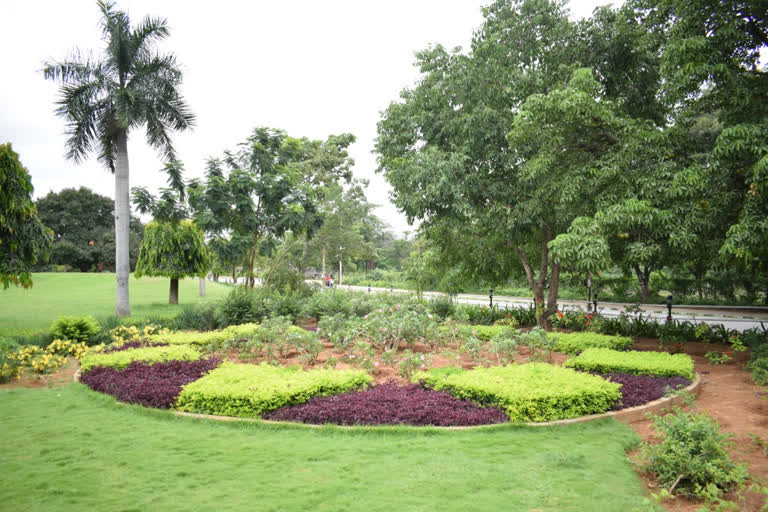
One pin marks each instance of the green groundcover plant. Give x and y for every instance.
(145, 355)
(604, 360)
(248, 391)
(577, 342)
(533, 392)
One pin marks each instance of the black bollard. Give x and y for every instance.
(595, 302)
(669, 308)
(490, 296)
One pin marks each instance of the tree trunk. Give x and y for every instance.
(173, 297)
(202, 287)
(323, 261)
(554, 288)
(643, 278)
(122, 221)
(234, 275)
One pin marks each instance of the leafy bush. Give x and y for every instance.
(604, 360)
(486, 332)
(75, 328)
(306, 343)
(482, 315)
(641, 389)
(442, 307)
(692, 456)
(539, 344)
(534, 391)
(759, 371)
(199, 317)
(146, 355)
(287, 304)
(151, 385)
(242, 332)
(131, 345)
(10, 363)
(339, 329)
(576, 342)
(245, 390)
(244, 305)
(389, 404)
(329, 303)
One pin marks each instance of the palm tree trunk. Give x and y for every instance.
(122, 219)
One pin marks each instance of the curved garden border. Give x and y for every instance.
(628, 415)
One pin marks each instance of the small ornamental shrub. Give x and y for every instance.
(75, 328)
(692, 457)
(641, 389)
(248, 391)
(442, 307)
(244, 305)
(486, 332)
(10, 362)
(145, 354)
(759, 369)
(715, 357)
(67, 348)
(389, 404)
(533, 392)
(124, 333)
(151, 385)
(577, 342)
(603, 360)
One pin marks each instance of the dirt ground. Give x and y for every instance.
(727, 394)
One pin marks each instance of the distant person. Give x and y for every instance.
(326, 281)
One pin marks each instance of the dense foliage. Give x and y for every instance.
(390, 404)
(24, 240)
(75, 328)
(692, 456)
(149, 384)
(83, 225)
(604, 360)
(249, 391)
(533, 392)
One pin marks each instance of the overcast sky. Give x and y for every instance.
(311, 68)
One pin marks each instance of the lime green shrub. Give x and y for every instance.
(486, 332)
(248, 391)
(661, 364)
(534, 391)
(239, 332)
(146, 355)
(576, 342)
(75, 328)
(430, 378)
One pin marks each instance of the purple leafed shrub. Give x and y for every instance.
(390, 404)
(641, 389)
(155, 385)
(134, 344)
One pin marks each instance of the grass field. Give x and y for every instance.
(73, 449)
(54, 294)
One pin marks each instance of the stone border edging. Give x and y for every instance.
(629, 415)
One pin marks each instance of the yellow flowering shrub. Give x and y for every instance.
(124, 334)
(47, 363)
(67, 348)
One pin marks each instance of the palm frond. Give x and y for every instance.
(144, 201)
(175, 170)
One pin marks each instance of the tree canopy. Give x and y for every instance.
(24, 240)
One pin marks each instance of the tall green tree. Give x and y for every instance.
(131, 85)
(270, 187)
(83, 225)
(24, 240)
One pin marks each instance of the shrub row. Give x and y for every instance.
(244, 390)
(533, 392)
(151, 385)
(390, 404)
(146, 354)
(576, 342)
(662, 364)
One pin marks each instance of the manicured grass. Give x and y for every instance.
(56, 294)
(73, 449)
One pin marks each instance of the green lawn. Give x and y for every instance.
(73, 449)
(55, 294)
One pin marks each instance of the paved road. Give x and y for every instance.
(738, 318)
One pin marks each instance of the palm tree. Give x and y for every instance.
(102, 100)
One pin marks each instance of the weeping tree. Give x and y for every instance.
(173, 246)
(175, 250)
(131, 85)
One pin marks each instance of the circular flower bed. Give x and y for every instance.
(390, 404)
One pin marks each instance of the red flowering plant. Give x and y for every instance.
(571, 320)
